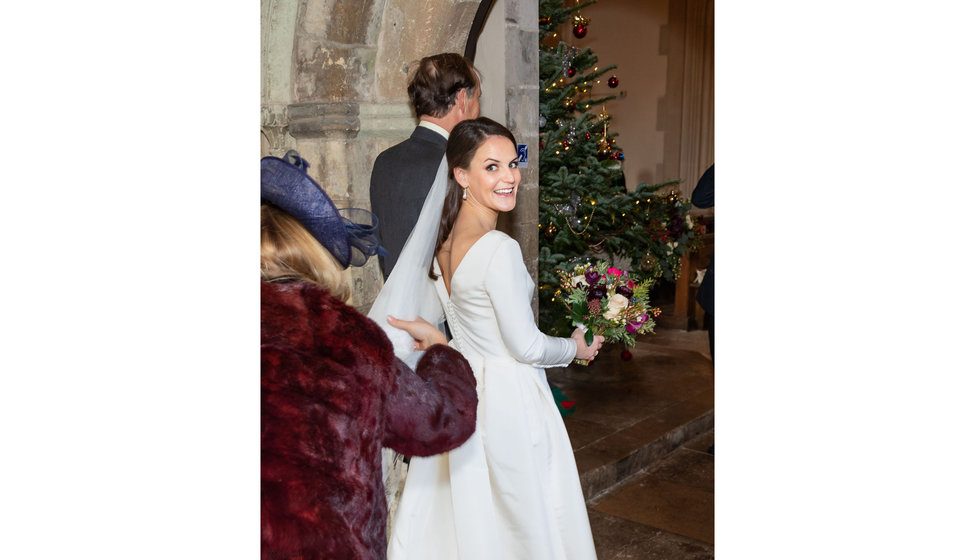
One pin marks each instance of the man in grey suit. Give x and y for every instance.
(444, 90)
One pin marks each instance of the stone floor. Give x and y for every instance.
(643, 434)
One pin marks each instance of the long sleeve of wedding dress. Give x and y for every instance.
(512, 491)
(506, 283)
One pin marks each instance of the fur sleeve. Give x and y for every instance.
(435, 410)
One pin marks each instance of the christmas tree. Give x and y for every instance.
(585, 210)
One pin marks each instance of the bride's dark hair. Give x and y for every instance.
(464, 140)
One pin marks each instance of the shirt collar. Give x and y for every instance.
(434, 127)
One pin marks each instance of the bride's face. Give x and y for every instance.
(492, 175)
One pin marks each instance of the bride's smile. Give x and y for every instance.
(493, 176)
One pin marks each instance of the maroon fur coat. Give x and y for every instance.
(333, 394)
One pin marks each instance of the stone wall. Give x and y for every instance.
(521, 58)
(334, 74)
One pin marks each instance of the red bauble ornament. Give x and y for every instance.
(626, 355)
(580, 31)
(571, 71)
(613, 82)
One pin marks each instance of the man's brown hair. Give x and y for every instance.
(437, 80)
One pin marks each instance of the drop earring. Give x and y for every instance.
(464, 192)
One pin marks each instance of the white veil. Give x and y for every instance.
(409, 293)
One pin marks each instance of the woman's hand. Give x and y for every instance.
(584, 351)
(422, 331)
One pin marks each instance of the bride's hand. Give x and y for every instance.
(422, 331)
(584, 351)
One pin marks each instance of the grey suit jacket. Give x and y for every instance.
(400, 182)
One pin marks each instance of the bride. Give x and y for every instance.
(512, 490)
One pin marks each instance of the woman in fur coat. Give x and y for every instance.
(333, 393)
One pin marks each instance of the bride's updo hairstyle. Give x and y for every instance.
(464, 140)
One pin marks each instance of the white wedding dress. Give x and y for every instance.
(512, 491)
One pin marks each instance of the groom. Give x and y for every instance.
(444, 90)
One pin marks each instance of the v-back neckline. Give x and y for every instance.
(452, 277)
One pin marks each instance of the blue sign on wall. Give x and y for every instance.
(522, 155)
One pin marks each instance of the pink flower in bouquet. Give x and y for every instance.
(635, 325)
(614, 271)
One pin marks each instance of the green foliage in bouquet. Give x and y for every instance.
(603, 300)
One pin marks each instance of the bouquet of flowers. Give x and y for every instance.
(603, 300)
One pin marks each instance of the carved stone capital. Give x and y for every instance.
(334, 121)
(275, 128)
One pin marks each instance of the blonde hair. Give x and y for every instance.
(290, 252)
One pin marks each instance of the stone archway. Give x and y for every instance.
(333, 87)
(334, 77)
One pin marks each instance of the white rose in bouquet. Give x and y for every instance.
(617, 303)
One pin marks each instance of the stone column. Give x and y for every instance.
(277, 36)
(332, 76)
(521, 55)
(342, 140)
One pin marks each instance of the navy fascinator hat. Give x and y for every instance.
(349, 234)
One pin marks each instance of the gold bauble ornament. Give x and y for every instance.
(647, 262)
(651, 265)
(604, 149)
